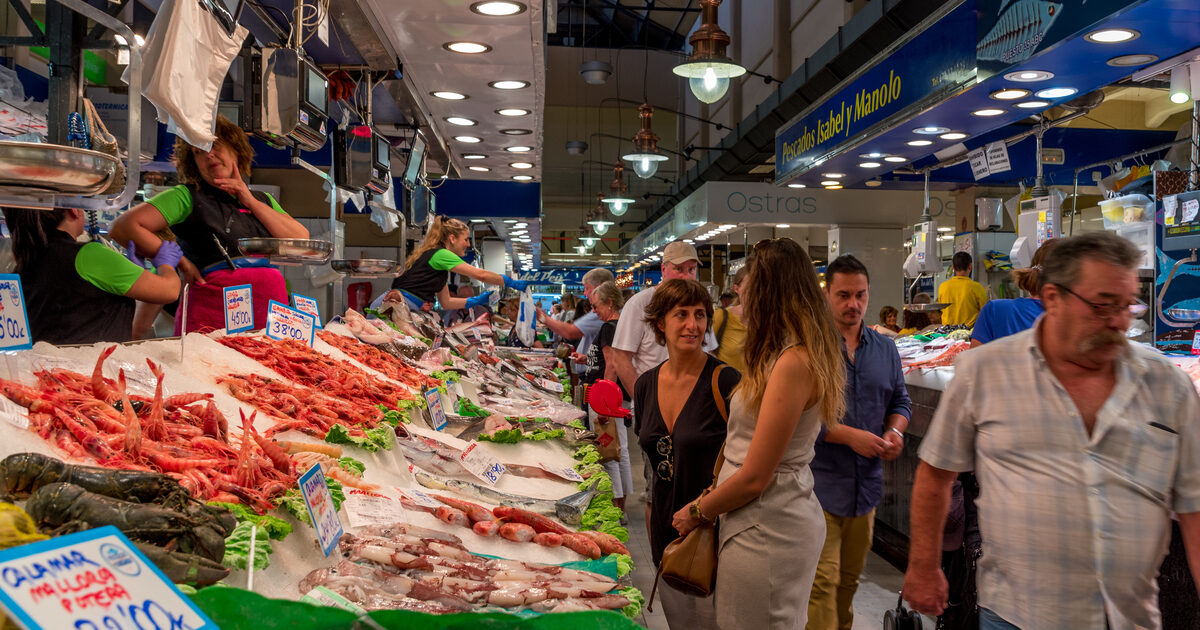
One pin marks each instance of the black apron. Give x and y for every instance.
(215, 211)
(64, 308)
(422, 280)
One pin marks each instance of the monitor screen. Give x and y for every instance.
(383, 153)
(316, 94)
(422, 205)
(416, 157)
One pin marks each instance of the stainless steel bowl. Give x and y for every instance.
(296, 251)
(55, 168)
(365, 267)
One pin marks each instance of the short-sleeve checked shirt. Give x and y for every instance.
(1074, 526)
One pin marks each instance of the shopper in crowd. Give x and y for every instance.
(848, 459)
(916, 321)
(583, 326)
(569, 304)
(212, 210)
(626, 294)
(1001, 318)
(888, 321)
(682, 427)
(1083, 445)
(465, 314)
(730, 331)
(82, 293)
(727, 299)
(963, 296)
(772, 529)
(608, 303)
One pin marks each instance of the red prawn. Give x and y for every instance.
(133, 425)
(101, 387)
(156, 427)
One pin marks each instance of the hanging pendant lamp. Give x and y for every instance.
(617, 199)
(709, 69)
(645, 156)
(597, 219)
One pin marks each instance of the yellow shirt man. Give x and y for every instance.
(965, 297)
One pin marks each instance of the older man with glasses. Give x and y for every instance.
(1083, 445)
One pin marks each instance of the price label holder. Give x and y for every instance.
(91, 580)
(565, 472)
(305, 304)
(239, 308)
(437, 415)
(288, 323)
(480, 463)
(14, 321)
(320, 508)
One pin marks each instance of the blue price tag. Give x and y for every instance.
(239, 308)
(434, 400)
(305, 304)
(288, 323)
(320, 508)
(91, 580)
(14, 322)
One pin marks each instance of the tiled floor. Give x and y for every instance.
(876, 592)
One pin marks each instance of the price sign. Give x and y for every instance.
(239, 308)
(320, 508)
(434, 400)
(305, 304)
(566, 472)
(1196, 342)
(418, 497)
(551, 385)
(370, 508)
(481, 464)
(92, 580)
(14, 322)
(289, 323)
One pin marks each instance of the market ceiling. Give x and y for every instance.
(1000, 105)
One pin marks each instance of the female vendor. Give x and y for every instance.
(82, 292)
(214, 206)
(428, 269)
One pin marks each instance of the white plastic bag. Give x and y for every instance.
(527, 320)
(186, 57)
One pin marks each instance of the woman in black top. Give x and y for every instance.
(680, 427)
(607, 302)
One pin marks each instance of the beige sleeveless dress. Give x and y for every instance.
(768, 548)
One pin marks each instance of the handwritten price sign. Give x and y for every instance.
(478, 462)
(305, 304)
(288, 323)
(14, 322)
(239, 308)
(92, 580)
(434, 400)
(320, 508)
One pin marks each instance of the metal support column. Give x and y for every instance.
(65, 33)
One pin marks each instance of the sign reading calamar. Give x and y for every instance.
(938, 61)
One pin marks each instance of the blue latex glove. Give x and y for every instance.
(131, 254)
(168, 254)
(514, 284)
(482, 298)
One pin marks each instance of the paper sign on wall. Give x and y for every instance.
(305, 304)
(239, 308)
(14, 322)
(320, 508)
(433, 400)
(92, 579)
(288, 323)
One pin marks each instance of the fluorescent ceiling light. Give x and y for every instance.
(448, 95)
(518, 149)
(1057, 92)
(467, 48)
(990, 111)
(521, 165)
(473, 156)
(895, 159)
(468, 139)
(509, 85)
(783, 226)
(479, 169)
(1029, 76)
(1009, 94)
(460, 121)
(830, 182)
(795, 185)
(522, 178)
(513, 111)
(497, 8)
(1033, 104)
(930, 130)
(1112, 36)
(919, 143)
(869, 165)
(954, 135)
(833, 175)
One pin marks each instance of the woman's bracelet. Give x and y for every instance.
(697, 514)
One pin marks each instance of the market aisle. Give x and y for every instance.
(876, 592)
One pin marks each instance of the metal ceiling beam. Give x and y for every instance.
(368, 36)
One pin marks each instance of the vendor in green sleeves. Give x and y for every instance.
(82, 293)
(428, 268)
(214, 205)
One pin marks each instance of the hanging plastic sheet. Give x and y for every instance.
(527, 320)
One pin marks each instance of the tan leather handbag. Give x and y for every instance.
(689, 563)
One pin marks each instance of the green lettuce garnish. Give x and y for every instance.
(468, 408)
(293, 501)
(276, 528)
(576, 423)
(502, 436)
(380, 437)
(352, 465)
(446, 376)
(238, 552)
(636, 600)
(624, 564)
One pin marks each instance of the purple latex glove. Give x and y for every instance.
(131, 254)
(168, 254)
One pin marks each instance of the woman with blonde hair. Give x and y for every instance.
(772, 528)
(428, 268)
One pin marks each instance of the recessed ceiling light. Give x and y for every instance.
(448, 95)
(466, 48)
(930, 130)
(1112, 36)
(513, 111)
(510, 221)
(834, 187)
(520, 225)
(874, 182)
(833, 175)
(467, 139)
(795, 185)
(521, 165)
(1132, 60)
(829, 182)
(509, 85)
(919, 143)
(478, 220)
(954, 135)
(516, 132)
(497, 8)
(473, 156)
(460, 121)
(874, 155)
(1029, 76)
(1058, 92)
(894, 159)
(869, 165)
(479, 169)
(990, 111)
(518, 149)
(783, 226)
(1033, 104)
(1009, 94)
(522, 178)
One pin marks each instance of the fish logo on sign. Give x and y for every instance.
(120, 560)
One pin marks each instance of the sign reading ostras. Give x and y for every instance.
(836, 121)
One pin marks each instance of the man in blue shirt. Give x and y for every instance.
(847, 464)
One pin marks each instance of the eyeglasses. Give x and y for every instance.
(1137, 308)
(666, 468)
